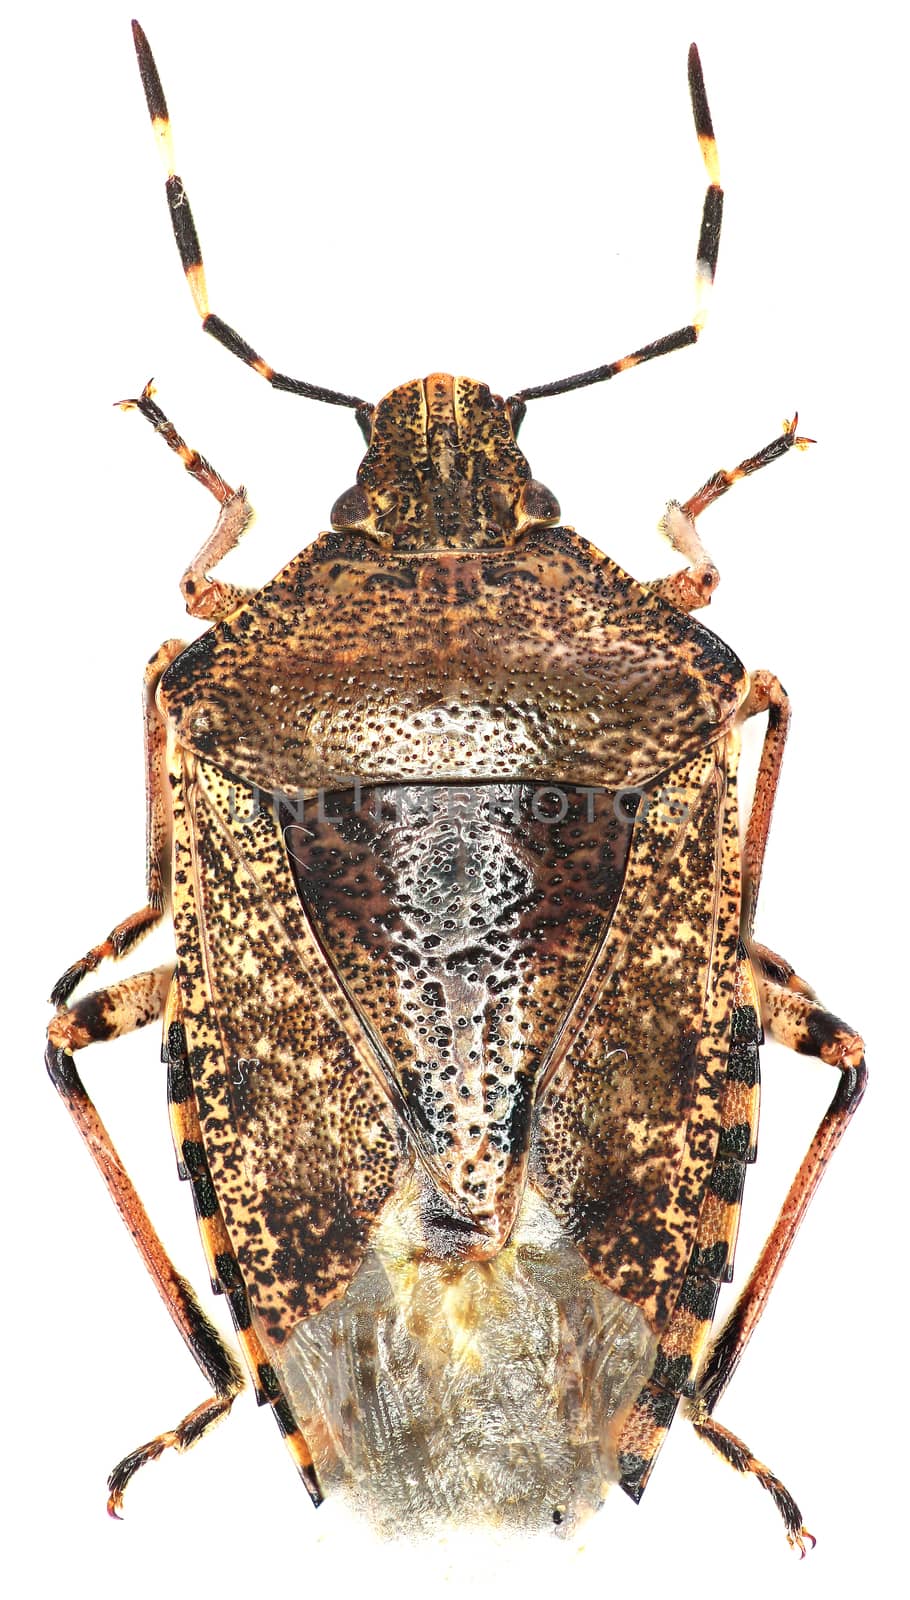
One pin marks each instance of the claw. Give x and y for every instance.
(797, 1541)
(801, 442)
(131, 405)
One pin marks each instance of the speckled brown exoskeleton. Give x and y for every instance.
(462, 1031)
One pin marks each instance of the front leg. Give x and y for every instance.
(695, 584)
(205, 596)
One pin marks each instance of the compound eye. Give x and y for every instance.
(537, 503)
(351, 509)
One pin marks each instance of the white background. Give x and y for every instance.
(512, 192)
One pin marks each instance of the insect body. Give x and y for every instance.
(462, 1032)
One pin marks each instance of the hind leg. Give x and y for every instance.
(106, 1015)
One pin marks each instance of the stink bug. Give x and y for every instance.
(477, 819)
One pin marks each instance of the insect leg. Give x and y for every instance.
(720, 482)
(191, 255)
(766, 693)
(694, 586)
(224, 1269)
(727, 1349)
(205, 597)
(738, 1455)
(133, 928)
(795, 1017)
(105, 1015)
(110, 1012)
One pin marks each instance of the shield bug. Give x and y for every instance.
(461, 1038)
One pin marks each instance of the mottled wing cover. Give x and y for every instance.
(300, 1137)
(629, 1122)
(540, 665)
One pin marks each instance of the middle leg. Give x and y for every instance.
(128, 933)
